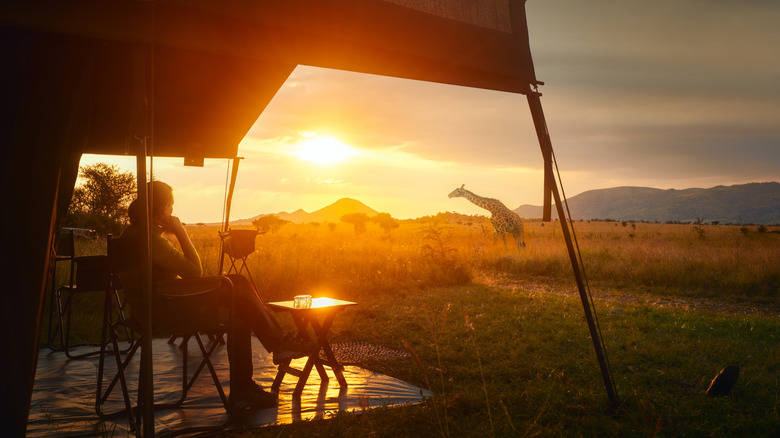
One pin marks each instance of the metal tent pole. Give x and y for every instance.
(226, 218)
(145, 389)
(535, 105)
(143, 129)
(233, 176)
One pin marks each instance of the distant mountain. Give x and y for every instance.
(754, 203)
(331, 213)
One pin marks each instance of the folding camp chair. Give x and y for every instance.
(65, 253)
(237, 245)
(87, 274)
(187, 306)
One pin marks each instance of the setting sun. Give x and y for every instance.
(324, 150)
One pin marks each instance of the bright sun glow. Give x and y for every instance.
(323, 150)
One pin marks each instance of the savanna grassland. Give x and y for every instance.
(498, 335)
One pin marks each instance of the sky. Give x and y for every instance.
(664, 94)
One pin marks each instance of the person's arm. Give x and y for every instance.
(186, 263)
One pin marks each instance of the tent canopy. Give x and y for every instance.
(218, 64)
(89, 76)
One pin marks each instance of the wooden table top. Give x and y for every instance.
(316, 303)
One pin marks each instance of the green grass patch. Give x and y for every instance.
(528, 368)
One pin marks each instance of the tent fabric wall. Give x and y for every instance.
(204, 103)
(493, 14)
(45, 106)
(368, 36)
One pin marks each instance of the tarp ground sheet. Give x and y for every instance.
(64, 394)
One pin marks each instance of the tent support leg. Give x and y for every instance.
(535, 105)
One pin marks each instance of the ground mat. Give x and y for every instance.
(63, 400)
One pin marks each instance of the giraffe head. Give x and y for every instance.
(460, 191)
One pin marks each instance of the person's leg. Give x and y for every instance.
(239, 341)
(250, 307)
(263, 323)
(244, 391)
(239, 344)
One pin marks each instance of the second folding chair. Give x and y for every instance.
(88, 276)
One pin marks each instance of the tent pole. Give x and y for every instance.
(535, 105)
(228, 203)
(146, 391)
(143, 126)
(232, 187)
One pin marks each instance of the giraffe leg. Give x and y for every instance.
(503, 236)
(519, 241)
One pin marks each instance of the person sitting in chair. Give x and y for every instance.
(250, 313)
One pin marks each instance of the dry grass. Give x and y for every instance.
(710, 260)
(721, 263)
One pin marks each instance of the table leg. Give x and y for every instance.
(303, 378)
(302, 321)
(283, 368)
(322, 340)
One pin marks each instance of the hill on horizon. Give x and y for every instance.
(330, 213)
(752, 203)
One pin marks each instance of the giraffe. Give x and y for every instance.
(503, 219)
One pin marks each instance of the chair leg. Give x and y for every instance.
(121, 317)
(207, 360)
(62, 311)
(53, 315)
(133, 413)
(66, 328)
(102, 397)
(102, 357)
(107, 317)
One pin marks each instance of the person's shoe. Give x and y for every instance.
(291, 348)
(251, 397)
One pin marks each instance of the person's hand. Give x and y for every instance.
(173, 225)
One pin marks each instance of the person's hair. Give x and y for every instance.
(161, 195)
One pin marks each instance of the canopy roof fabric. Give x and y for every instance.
(218, 64)
(89, 76)
(486, 13)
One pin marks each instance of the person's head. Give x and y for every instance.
(161, 195)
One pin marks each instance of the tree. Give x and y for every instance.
(357, 219)
(269, 222)
(101, 198)
(385, 221)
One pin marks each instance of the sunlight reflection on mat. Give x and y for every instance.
(63, 397)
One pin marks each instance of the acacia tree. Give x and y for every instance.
(358, 220)
(270, 222)
(101, 198)
(385, 221)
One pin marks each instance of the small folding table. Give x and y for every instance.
(322, 309)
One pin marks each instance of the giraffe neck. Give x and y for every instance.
(486, 203)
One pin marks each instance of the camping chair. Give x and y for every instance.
(187, 306)
(87, 274)
(237, 245)
(65, 252)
